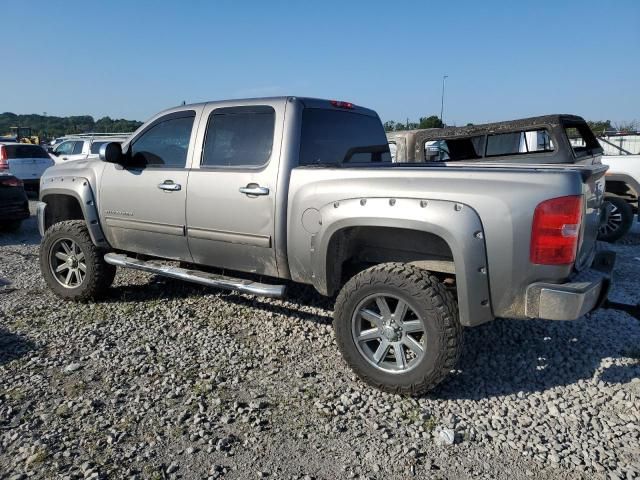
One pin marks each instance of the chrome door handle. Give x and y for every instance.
(169, 186)
(254, 189)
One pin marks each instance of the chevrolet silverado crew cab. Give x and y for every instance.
(251, 194)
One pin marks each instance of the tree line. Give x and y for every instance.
(49, 126)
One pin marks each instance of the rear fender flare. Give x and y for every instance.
(457, 224)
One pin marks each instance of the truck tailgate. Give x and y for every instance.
(29, 168)
(593, 190)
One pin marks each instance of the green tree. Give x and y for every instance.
(599, 127)
(430, 122)
(51, 126)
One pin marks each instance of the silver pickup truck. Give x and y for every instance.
(251, 194)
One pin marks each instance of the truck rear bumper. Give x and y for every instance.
(583, 293)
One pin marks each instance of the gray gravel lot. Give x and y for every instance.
(169, 380)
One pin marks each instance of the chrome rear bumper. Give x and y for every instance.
(583, 293)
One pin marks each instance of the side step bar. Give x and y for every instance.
(196, 276)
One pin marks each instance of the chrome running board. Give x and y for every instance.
(196, 276)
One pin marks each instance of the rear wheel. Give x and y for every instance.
(73, 267)
(619, 220)
(397, 328)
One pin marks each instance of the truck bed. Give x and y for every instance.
(502, 197)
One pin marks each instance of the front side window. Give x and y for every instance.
(338, 136)
(65, 148)
(239, 137)
(436, 151)
(393, 150)
(164, 144)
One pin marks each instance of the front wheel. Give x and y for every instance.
(73, 267)
(619, 220)
(398, 329)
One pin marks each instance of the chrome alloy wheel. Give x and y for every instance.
(388, 333)
(614, 219)
(67, 263)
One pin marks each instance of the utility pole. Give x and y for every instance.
(444, 77)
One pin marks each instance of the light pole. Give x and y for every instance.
(444, 77)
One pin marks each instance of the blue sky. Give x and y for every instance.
(505, 59)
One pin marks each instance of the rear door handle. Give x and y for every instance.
(254, 189)
(169, 186)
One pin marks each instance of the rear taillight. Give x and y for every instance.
(556, 230)
(339, 104)
(4, 161)
(11, 182)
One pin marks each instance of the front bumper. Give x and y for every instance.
(583, 293)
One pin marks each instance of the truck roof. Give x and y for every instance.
(306, 101)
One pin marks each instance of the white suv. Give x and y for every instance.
(24, 161)
(82, 147)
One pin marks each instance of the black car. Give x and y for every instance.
(14, 204)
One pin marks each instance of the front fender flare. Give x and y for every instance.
(80, 189)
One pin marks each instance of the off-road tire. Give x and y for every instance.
(99, 275)
(12, 226)
(430, 299)
(624, 226)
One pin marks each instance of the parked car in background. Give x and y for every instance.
(83, 147)
(25, 161)
(623, 191)
(14, 205)
(253, 194)
(537, 140)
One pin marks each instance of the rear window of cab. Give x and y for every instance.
(332, 137)
(25, 151)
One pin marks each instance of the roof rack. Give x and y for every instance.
(114, 134)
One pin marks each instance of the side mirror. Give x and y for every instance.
(111, 152)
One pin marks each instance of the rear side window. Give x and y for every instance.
(25, 151)
(512, 143)
(165, 143)
(77, 148)
(582, 139)
(239, 137)
(338, 136)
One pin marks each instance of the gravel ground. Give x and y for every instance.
(169, 380)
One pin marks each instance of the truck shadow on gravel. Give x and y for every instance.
(13, 346)
(504, 357)
(509, 357)
(26, 235)
(300, 301)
